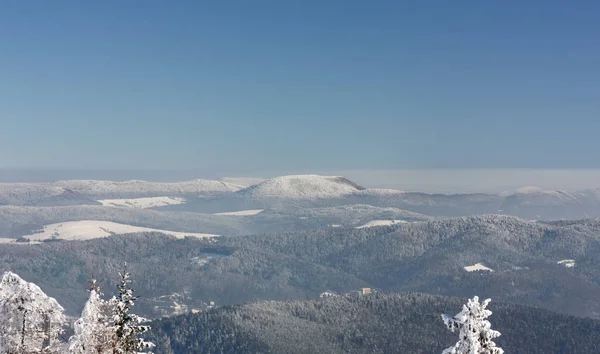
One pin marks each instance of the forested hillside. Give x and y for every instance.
(526, 259)
(381, 323)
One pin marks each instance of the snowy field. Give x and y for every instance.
(381, 223)
(477, 267)
(142, 203)
(90, 229)
(242, 212)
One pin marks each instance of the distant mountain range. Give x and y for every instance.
(324, 191)
(306, 191)
(298, 202)
(72, 191)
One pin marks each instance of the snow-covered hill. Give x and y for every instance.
(90, 229)
(301, 187)
(537, 196)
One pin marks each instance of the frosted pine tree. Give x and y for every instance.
(94, 331)
(128, 326)
(475, 333)
(30, 321)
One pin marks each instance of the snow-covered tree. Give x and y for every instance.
(30, 321)
(94, 331)
(475, 333)
(128, 326)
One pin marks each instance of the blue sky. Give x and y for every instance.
(249, 86)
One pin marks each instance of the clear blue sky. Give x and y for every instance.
(305, 85)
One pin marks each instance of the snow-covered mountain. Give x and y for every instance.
(309, 187)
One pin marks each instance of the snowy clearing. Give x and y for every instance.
(142, 203)
(242, 212)
(569, 263)
(381, 223)
(477, 267)
(90, 229)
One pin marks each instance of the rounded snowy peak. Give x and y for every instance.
(302, 187)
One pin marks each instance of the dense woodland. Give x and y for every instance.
(380, 323)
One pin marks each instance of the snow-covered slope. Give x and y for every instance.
(89, 229)
(535, 203)
(145, 188)
(244, 182)
(301, 187)
(142, 203)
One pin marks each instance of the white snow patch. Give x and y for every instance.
(90, 229)
(328, 293)
(12, 241)
(568, 263)
(142, 203)
(242, 212)
(381, 223)
(477, 267)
